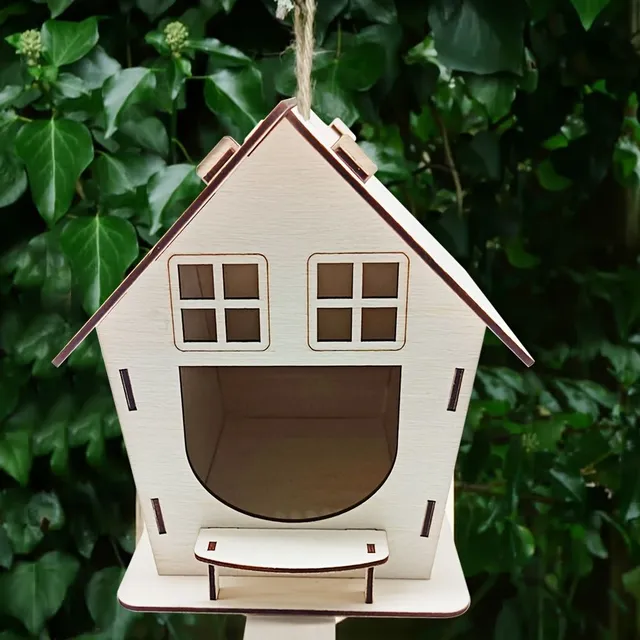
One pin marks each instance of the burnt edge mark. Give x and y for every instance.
(213, 594)
(358, 185)
(368, 596)
(352, 164)
(455, 390)
(428, 518)
(212, 545)
(371, 548)
(128, 390)
(157, 510)
(226, 156)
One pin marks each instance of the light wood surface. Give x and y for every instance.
(299, 551)
(291, 220)
(283, 628)
(444, 595)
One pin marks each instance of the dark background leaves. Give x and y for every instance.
(508, 128)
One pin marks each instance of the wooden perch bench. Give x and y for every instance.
(290, 551)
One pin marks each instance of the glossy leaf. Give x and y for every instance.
(154, 8)
(99, 249)
(125, 89)
(58, 6)
(15, 455)
(103, 605)
(148, 133)
(221, 55)
(235, 96)
(33, 591)
(95, 68)
(588, 10)
(480, 36)
(13, 179)
(378, 10)
(170, 191)
(118, 174)
(55, 153)
(66, 42)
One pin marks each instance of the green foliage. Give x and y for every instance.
(508, 127)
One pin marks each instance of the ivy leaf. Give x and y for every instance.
(8, 94)
(331, 101)
(169, 192)
(550, 179)
(235, 96)
(66, 42)
(34, 591)
(589, 10)
(508, 626)
(220, 55)
(360, 66)
(26, 518)
(573, 486)
(103, 605)
(154, 8)
(13, 179)
(58, 6)
(494, 92)
(40, 342)
(50, 437)
(6, 552)
(100, 249)
(149, 133)
(16, 455)
(124, 89)
(122, 173)
(68, 86)
(95, 68)
(481, 36)
(55, 152)
(378, 10)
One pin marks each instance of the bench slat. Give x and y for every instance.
(292, 550)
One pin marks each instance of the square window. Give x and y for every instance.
(240, 281)
(335, 280)
(379, 325)
(243, 325)
(196, 281)
(199, 325)
(334, 325)
(380, 280)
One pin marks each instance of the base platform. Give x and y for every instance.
(445, 595)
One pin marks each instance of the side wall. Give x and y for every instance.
(285, 202)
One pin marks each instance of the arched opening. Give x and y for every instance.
(291, 443)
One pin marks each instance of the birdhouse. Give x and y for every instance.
(291, 365)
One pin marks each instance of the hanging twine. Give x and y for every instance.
(303, 15)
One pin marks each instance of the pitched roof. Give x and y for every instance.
(373, 191)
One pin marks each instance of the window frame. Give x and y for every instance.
(219, 303)
(357, 302)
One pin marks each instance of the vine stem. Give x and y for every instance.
(496, 491)
(448, 155)
(174, 131)
(185, 153)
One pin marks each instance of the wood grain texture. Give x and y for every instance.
(299, 551)
(445, 595)
(288, 628)
(318, 213)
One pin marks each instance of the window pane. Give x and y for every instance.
(199, 325)
(335, 280)
(334, 325)
(380, 280)
(196, 281)
(379, 324)
(243, 325)
(240, 281)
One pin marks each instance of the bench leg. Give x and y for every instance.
(368, 591)
(214, 591)
(289, 628)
